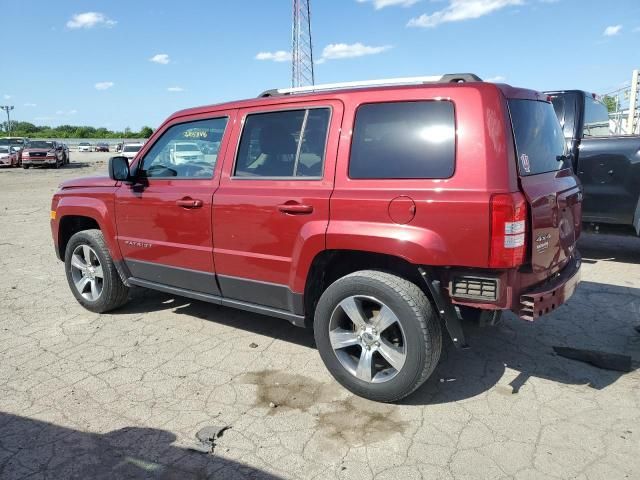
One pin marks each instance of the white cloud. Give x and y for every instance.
(278, 56)
(335, 51)
(459, 10)
(90, 20)
(104, 85)
(496, 79)
(66, 112)
(7, 97)
(30, 105)
(175, 89)
(612, 30)
(378, 4)
(161, 58)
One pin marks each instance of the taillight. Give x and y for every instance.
(508, 230)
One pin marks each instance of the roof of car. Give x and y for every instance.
(507, 90)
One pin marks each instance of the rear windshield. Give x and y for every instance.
(540, 144)
(596, 118)
(186, 147)
(132, 148)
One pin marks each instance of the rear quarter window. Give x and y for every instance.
(403, 140)
(540, 143)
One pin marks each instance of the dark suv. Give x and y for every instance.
(376, 215)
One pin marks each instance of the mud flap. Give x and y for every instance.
(445, 308)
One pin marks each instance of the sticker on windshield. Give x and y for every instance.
(524, 161)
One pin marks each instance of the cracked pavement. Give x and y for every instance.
(123, 395)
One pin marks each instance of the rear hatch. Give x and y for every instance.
(552, 191)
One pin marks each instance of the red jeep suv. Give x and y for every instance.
(380, 214)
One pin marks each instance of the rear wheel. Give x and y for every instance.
(91, 273)
(377, 334)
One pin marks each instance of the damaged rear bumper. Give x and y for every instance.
(546, 297)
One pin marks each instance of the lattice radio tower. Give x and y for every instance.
(302, 49)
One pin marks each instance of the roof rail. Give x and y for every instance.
(447, 78)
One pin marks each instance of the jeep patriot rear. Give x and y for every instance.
(376, 215)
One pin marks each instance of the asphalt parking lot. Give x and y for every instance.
(84, 395)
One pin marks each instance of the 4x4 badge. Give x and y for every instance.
(524, 160)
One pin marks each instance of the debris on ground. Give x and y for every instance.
(605, 360)
(272, 405)
(207, 437)
(253, 345)
(448, 379)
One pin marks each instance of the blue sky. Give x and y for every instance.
(118, 63)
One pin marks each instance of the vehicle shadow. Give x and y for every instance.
(144, 300)
(612, 245)
(31, 447)
(73, 164)
(598, 317)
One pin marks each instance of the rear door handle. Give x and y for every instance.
(295, 208)
(189, 203)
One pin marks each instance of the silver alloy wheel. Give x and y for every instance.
(86, 272)
(367, 338)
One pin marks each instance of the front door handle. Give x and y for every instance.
(189, 203)
(295, 208)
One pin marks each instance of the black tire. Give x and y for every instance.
(419, 322)
(114, 293)
(26, 167)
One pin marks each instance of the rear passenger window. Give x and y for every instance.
(403, 140)
(283, 144)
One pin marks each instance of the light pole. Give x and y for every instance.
(8, 108)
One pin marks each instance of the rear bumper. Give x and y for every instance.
(549, 295)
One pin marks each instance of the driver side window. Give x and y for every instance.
(186, 150)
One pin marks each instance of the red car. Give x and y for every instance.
(368, 213)
(102, 147)
(45, 153)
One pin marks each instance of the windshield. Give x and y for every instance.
(540, 143)
(14, 142)
(186, 147)
(4, 149)
(132, 148)
(83, 144)
(41, 144)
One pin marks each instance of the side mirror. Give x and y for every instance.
(119, 168)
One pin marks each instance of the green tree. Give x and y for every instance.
(146, 132)
(610, 102)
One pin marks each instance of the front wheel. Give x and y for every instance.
(377, 334)
(91, 273)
